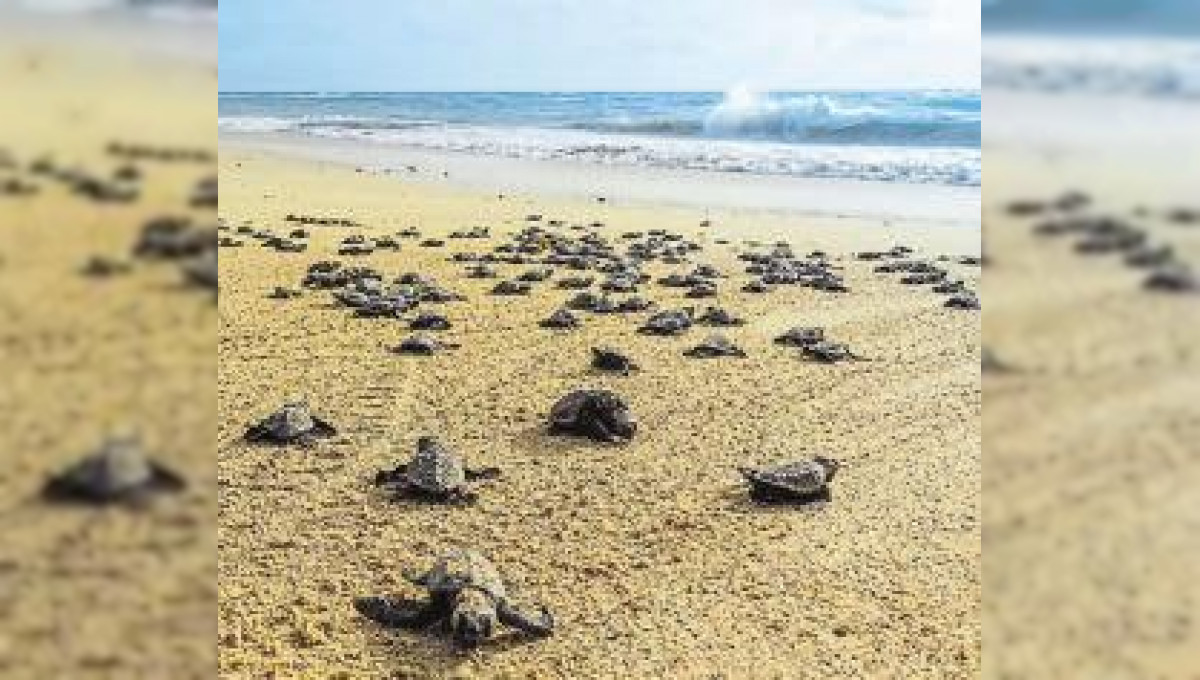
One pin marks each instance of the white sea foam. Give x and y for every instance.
(954, 166)
(1146, 67)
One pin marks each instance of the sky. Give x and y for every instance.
(547, 45)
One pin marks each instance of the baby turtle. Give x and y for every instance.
(672, 322)
(117, 473)
(801, 336)
(965, 300)
(608, 359)
(512, 288)
(829, 352)
(801, 482)
(467, 596)
(430, 322)
(293, 423)
(1172, 280)
(562, 319)
(435, 474)
(715, 346)
(597, 414)
(422, 345)
(716, 316)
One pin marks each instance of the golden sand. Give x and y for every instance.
(1091, 519)
(650, 556)
(102, 593)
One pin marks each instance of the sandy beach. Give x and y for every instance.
(112, 592)
(650, 555)
(1090, 440)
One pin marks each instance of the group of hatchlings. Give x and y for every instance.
(465, 593)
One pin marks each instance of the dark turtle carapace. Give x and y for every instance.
(613, 361)
(118, 472)
(434, 474)
(599, 415)
(801, 482)
(292, 423)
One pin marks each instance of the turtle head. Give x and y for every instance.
(473, 619)
(426, 443)
(616, 418)
(831, 466)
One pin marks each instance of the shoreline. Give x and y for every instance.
(951, 206)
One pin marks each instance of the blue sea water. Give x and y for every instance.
(922, 137)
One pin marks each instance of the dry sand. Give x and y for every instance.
(109, 593)
(650, 555)
(1091, 466)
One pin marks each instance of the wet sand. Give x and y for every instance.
(650, 555)
(1090, 449)
(102, 592)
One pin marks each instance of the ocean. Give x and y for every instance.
(1138, 49)
(909, 137)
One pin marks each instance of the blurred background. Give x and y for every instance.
(107, 339)
(1092, 233)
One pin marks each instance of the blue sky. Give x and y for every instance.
(597, 44)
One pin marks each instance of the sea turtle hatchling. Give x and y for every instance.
(801, 336)
(423, 345)
(435, 474)
(717, 316)
(600, 415)
(611, 360)
(118, 472)
(715, 346)
(801, 482)
(561, 319)
(670, 322)
(292, 423)
(430, 322)
(829, 352)
(466, 595)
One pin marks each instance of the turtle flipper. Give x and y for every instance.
(511, 616)
(162, 479)
(322, 428)
(416, 578)
(483, 473)
(595, 429)
(396, 612)
(256, 434)
(393, 476)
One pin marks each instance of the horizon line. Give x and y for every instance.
(947, 88)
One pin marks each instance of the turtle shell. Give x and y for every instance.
(802, 478)
(828, 352)
(419, 344)
(118, 470)
(292, 420)
(562, 318)
(608, 359)
(801, 336)
(667, 323)
(715, 346)
(567, 410)
(578, 412)
(435, 468)
(457, 569)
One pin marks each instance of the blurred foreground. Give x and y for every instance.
(103, 129)
(1092, 373)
